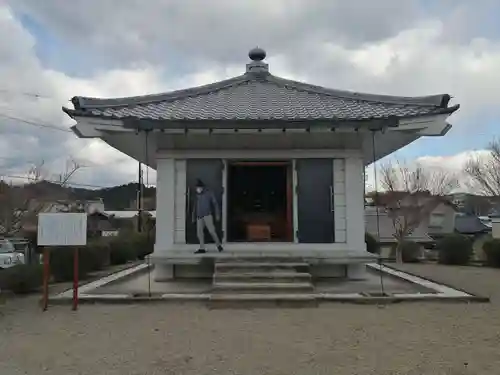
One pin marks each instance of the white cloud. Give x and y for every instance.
(142, 47)
(452, 164)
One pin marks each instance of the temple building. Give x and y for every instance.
(285, 161)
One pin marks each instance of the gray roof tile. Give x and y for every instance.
(257, 96)
(470, 225)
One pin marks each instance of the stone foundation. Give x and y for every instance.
(319, 271)
(198, 271)
(356, 271)
(167, 272)
(163, 272)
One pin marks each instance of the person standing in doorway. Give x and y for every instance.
(205, 206)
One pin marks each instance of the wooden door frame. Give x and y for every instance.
(253, 163)
(289, 164)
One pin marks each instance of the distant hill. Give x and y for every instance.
(115, 198)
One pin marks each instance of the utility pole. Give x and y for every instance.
(139, 199)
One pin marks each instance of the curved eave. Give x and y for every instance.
(70, 112)
(84, 113)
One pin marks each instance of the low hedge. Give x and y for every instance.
(61, 262)
(491, 250)
(455, 249)
(372, 245)
(122, 249)
(130, 245)
(22, 278)
(99, 254)
(143, 243)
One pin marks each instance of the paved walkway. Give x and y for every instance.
(413, 338)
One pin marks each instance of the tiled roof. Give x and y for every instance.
(259, 95)
(470, 225)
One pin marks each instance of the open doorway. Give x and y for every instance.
(259, 202)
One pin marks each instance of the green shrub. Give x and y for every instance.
(372, 245)
(22, 278)
(491, 249)
(143, 244)
(99, 254)
(61, 263)
(411, 251)
(122, 249)
(455, 249)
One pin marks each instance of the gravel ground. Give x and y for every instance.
(414, 338)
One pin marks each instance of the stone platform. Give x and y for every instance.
(180, 264)
(382, 285)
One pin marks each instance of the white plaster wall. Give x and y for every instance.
(495, 227)
(348, 195)
(180, 201)
(165, 205)
(339, 200)
(355, 219)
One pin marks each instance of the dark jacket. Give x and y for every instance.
(205, 204)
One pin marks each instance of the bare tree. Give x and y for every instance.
(20, 205)
(411, 193)
(484, 171)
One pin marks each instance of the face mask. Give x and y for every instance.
(199, 190)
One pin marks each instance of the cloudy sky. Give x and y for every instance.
(51, 50)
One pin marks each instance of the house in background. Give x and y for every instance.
(284, 157)
(441, 219)
(474, 228)
(128, 219)
(41, 205)
(376, 221)
(66, 205)
(472, 204)
(495, 225)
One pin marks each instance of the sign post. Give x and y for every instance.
(75, 279)
(46, 277)
(61, 229)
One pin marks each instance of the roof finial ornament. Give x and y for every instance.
(257, 54)
(257, 66)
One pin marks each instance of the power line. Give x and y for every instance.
(379, 259)
(53, 127)
(67, 183)
(27, 93)
(57, 182)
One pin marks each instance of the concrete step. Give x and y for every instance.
(285, 258)
(263, 287)
(231, 300)
(252, 277)
(221, 267)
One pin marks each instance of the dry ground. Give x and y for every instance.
(412, 338)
